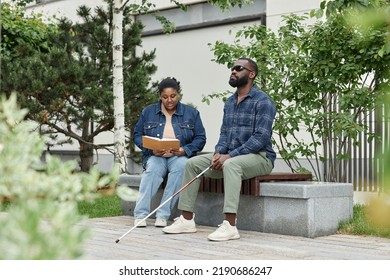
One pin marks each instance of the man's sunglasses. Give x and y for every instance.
(239, 68)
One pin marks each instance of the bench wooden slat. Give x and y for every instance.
(252, 186)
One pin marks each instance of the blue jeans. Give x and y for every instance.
(157, 169)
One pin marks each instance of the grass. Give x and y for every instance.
(105, 206)
(108, 205)
(363, 223)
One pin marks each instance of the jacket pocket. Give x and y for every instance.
(150, 128)
(187, 130)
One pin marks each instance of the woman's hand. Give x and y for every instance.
(178, 152)
(159, 153)
(169, 153)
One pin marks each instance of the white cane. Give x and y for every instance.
(176, 193)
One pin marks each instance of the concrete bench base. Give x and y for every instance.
(308, 209)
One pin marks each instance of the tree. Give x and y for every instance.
(305, 69)
(68, 89)
(19, 31)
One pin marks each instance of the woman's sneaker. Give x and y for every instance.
(143, 224)
(181, 225)
(224, 232)
(160, 222)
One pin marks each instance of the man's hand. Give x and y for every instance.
(218, 160)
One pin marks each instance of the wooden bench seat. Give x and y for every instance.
(252, 186)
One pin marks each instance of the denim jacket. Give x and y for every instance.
(186, 122)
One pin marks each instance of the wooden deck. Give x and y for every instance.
(151, 243)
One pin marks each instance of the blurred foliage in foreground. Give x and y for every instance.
(41, 211)
(371, 19)
(365, 222)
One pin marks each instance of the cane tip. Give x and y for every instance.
(116, 241)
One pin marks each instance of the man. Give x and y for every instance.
(244, 150)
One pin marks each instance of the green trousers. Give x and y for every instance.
(235, 169)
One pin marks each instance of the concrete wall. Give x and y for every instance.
(276, 9)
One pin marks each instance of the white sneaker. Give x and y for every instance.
(143, 224)
(181, 225)
(160, 222)
(224, 232)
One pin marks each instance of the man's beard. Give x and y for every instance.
(242, 81)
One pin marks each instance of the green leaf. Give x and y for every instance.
(126, 193)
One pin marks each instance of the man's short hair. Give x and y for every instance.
(252, 63)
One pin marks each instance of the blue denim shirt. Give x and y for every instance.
(247, 126)
(186, 122)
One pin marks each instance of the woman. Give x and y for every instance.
(168, 118)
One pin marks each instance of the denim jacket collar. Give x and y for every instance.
(179, 109)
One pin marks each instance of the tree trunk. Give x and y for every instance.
(86, 150)
(86, 157)
(119, 111)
